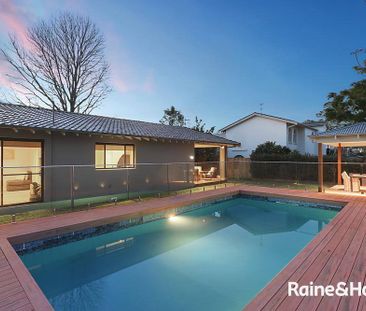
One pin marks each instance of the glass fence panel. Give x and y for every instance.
(148, 179)
(180, 176)
(92, 186)
(19, 188)
(57, 182)
(36, 195)
(56, 189)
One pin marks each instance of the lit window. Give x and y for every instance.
(21, 175)
(114, 156)
(99, 156)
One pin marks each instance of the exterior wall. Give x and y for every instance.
(253, 132)
(70, 149)
(304, 143)
(314, 145)
(300, 139)
(310, 146)
(259, 130)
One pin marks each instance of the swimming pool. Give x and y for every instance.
(217, 257)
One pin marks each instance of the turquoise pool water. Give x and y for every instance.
(214, 258)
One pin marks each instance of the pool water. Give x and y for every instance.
(214, 258)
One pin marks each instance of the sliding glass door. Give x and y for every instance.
(21, 173)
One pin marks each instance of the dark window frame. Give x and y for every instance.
(41, 172)
(105, 156)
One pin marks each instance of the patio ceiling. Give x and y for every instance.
(197, 145)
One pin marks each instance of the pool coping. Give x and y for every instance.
(50, 226)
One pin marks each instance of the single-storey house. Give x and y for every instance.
(258, 128)
(51, 155)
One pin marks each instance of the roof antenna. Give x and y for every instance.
(261, 107)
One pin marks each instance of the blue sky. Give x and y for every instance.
(215, 59)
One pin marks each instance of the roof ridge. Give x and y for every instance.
(238, 121)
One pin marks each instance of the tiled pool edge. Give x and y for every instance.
(72, 236)
(52, 241)
(12, 232)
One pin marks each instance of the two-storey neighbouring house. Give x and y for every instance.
(258, 128)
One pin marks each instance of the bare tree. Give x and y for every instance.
(62, 66)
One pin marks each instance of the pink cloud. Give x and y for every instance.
(14, 20)
(120, 85)
(124, 76)
(4, 81)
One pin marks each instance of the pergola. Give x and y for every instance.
(347, 136)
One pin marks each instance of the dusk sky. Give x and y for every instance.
(215, 59)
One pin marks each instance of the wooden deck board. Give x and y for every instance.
(342, 273)
(338, 252)
(301, 261)
(325, 249)
(327, 263)
(342, 249)
(12, 294)
(357, 274)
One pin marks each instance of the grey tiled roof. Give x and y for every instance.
(353, 129)
(40, 118)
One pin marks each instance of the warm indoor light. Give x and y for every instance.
(191, 157)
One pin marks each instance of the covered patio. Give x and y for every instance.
(351, 178)
(210, 163)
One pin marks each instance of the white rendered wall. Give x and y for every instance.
(254, 132)
(300, 139)
(311, 147)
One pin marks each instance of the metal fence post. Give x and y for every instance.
(167, 177)
(128, 184)
(188, 173)
(72, 186)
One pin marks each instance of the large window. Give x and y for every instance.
(114, 156)
(21, 172)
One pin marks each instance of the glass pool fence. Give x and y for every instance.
(34, 191)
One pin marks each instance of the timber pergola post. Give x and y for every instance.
(339, 164)
(320, 168)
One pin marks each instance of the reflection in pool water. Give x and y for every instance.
(214, 258)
